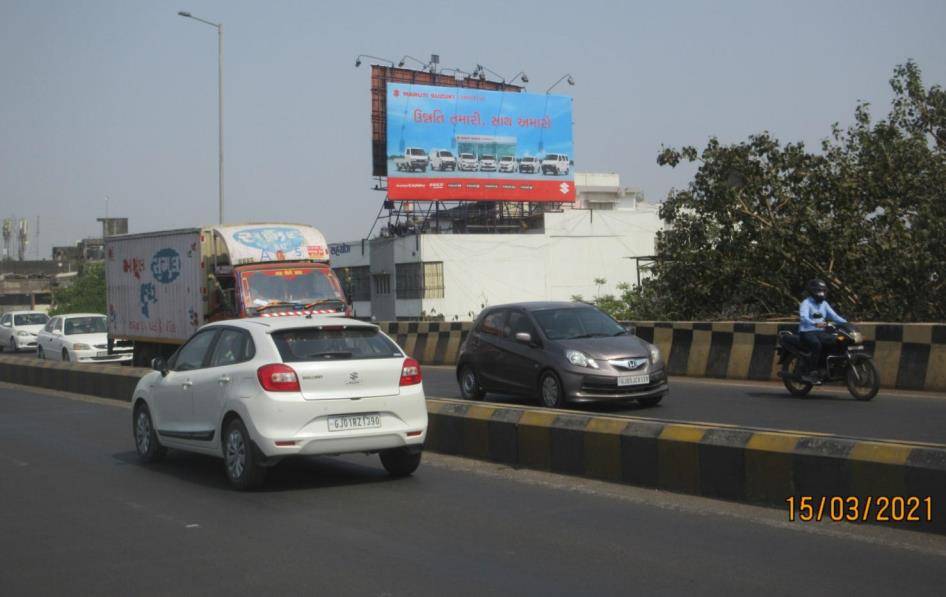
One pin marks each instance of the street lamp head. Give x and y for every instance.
(400, 63)
(357, 62)
(571, 81)
(525, 78)
(184, 13)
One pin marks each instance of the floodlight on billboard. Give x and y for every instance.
(448, 144)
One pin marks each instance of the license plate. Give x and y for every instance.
(350, 422)
(102, 353)
(633, 380)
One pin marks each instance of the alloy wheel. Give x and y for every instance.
(143, 432)
(236, 454)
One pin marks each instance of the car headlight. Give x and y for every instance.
(23, 333)
(81, 346)
(576, 357)
(654, 353)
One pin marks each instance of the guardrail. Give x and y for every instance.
(718, 461)
(909, 356)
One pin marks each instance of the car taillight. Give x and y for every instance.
(278, 378)
(410, 373)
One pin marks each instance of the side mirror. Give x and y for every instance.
(524, 337)
(630, 329)
(159, 364)
(57, 332)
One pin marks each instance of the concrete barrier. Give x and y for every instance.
(733, 463)
(718, 461)
(909, 356)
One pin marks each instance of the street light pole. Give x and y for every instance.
(219, 28)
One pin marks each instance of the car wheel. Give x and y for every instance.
(650, 400)
(470, 388)
(65, 355)
(146, 439)
(550, 390)
(400, 462)
(240, 459)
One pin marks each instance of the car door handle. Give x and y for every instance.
(224, 379)
(187, 384)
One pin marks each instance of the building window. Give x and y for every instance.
(419, 280)
(356, 282)
(382, 283)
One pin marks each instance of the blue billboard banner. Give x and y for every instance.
(452, 143)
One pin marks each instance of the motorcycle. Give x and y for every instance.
(843, 359)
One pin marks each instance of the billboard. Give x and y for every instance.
(448, 144)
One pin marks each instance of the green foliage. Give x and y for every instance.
(867, 214)
(85, 295)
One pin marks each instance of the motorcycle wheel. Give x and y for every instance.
(863, 379)
(791, 371)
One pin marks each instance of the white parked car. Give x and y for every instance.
(254, 391)
(507, 163)
(487, 163)
(79, 337)
(468, 162)
(442, 160)
(18, 329)
(529, 165)
(555, 163)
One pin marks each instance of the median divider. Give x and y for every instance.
(719, 461)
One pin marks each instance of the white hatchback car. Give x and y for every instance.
(254, 391)
(18, 329)
(79, 337)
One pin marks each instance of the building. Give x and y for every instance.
(454, 276)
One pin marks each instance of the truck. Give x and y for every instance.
(162, 286)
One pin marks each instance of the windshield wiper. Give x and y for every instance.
(594, 335)
(621, 333)
(339, 354)
(323, 301)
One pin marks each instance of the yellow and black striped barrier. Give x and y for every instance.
(727, 462)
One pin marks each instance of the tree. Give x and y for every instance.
(85, 295)
(867, 214)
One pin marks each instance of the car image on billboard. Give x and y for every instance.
(447, 143)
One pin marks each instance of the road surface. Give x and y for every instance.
(81, 516)
(892, 415)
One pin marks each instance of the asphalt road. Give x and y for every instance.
(80, 515)
(891, 415)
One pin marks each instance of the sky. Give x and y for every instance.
(117, 98)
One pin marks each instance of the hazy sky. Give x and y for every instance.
(118, 97)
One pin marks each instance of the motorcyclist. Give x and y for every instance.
(815, 313)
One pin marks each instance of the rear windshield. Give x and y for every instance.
(30, 319)
(328, 344)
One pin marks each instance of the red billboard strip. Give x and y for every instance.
(480, 189)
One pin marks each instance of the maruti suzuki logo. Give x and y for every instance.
(353, 378)
(563, 188)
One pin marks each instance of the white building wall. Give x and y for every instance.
(577, 247)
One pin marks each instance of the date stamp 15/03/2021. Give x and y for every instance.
(808, 508)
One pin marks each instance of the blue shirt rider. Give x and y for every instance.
(814, 314)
